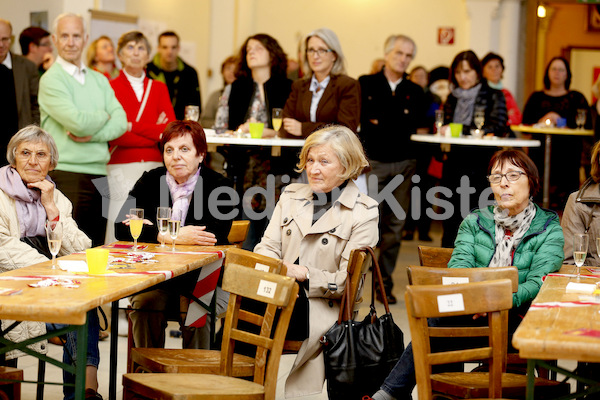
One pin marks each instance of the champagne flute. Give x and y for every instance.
(54, 235)
(136, 222)
(580, 118)
(174, 224)
(580, 248)
(163, 215)
(439, 121)
(479, 119)
(277, 118)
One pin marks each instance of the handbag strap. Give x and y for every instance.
(345, 312)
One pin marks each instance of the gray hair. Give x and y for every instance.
(332, 41)
(390, 42)
(34, 134)
(344, 143)
(65, 15)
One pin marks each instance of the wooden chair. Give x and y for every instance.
(476, 385)
(359, 263)
(275, 291)
(204, 361)
(10, 390)
(238, 232)
(434, 256)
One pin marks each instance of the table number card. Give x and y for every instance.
(261, 267)
(266, 289)
(454, 280)
(451, 303)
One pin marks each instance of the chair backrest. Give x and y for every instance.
(249, 259)
(434, 256)
(433, 301)
(448, 276)
(238, 232)
(276, 292)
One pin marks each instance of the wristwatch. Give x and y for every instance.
(307, 276)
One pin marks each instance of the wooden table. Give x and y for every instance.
(213, 140)
(548, 132)
(70, 306)
(471, 141)
(542, 333)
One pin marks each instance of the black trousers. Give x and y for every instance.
(87, 201)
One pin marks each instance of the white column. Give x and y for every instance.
(222, 41)
(482, 14)
(509, 16)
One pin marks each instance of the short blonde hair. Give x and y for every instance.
(345, 145)
(595, 172)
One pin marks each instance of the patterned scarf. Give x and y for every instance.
(463, 113)
(30, 211)
(509, 232)
(181, 194)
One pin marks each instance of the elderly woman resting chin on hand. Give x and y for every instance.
(28, 199)
(313, 229)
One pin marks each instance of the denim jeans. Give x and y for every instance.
(70, 349)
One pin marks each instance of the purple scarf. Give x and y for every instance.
(30, 211)
(181, 194)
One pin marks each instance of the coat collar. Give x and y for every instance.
(589, 192)
(331, 219)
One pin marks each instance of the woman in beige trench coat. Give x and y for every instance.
(314, 228)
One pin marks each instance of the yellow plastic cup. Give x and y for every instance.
(97, 260)
(455, 129)
(256, 129)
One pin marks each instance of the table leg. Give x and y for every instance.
(546, 192)
(114, 337)
(80, 368)
(530, 378)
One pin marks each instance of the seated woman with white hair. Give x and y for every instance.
(313, 229)
(28, 199)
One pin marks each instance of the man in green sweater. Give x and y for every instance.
(79, 109)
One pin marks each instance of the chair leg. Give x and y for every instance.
(130, 343)
(41, 378)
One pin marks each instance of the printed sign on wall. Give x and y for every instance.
(445, 35)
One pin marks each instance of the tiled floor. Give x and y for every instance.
(407, 257)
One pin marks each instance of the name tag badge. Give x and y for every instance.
(454, 280)
(261, 267)
(266, 289)
(451, 302)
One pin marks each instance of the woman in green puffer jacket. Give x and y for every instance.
(513, 232)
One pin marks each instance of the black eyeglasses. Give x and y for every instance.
(511, 176)
(320, 52)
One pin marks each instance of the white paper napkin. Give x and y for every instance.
(73, 265)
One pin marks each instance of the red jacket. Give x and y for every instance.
(141, 142)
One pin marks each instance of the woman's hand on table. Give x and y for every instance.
(194, 235)
(552, 116)
(298, 272)
(269, 133)
(292, 126)
(47, 197)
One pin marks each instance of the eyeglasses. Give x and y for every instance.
(320, 52)
(511, 176)
(40, 156)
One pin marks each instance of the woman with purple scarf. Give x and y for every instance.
(184, 184)
(29, 198)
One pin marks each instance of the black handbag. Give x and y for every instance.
(360, 355)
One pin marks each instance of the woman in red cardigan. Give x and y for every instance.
(149, 110)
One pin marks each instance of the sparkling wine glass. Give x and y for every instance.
(192, 113)
(136, 222)
(439, 121)
(580, 248)
(479, 119)
(277, 118)
(581, 118)
(174, 224)
(54, 234)
(163, 215)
